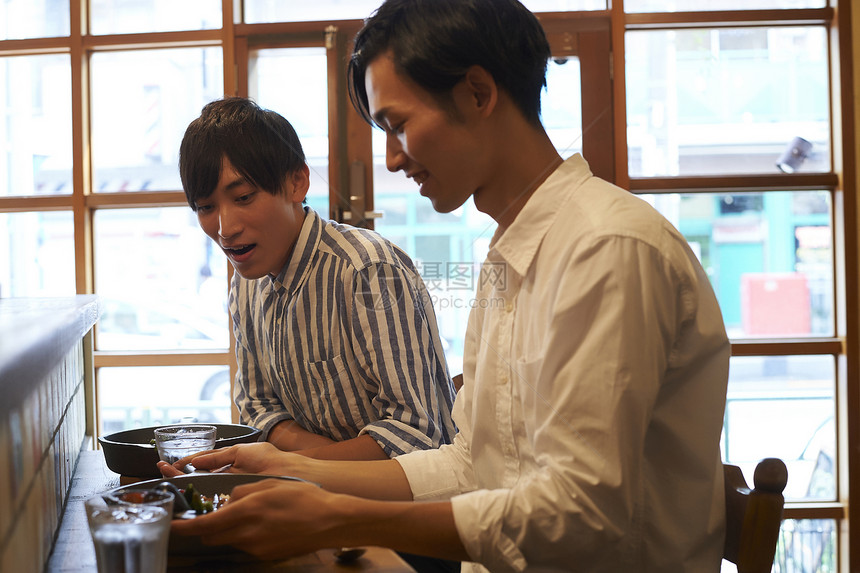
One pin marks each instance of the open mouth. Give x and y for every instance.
(239, 251)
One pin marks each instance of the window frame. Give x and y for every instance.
(349, 143)
(840, 182)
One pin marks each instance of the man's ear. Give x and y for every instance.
(481, 89)
(298, 183)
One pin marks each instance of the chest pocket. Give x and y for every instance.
(337, 402)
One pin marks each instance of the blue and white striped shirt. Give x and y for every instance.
(344, 341)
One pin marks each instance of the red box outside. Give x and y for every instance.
(775, 304)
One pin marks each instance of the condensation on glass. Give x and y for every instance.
(710, 5)
(25, 19)
(162, 395)
(143, 16)
(764, 253)
(306, 108)
(142, 102)
(37, 254)
(35, 125)
(726, 101)
(161, 280)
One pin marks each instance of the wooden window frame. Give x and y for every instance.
(601, 33)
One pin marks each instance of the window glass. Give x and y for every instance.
(449, 248)
(561, 105)
(306, 108)
(803, 545)
(764, 252)
(706, 5)
(37, 254)
(807, 545)
(304, 11)
(137, 16)
(35, 125)
(142, 101)
(162, 282)
(726, 101)
(160, 395)
(564, 5)
(783, 407)
(21, 19)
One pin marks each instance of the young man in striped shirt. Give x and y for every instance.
(336, 339)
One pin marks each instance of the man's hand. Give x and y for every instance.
(168, 470)
(378, 479)
(258, 458)
(276, 519)
(271, 519)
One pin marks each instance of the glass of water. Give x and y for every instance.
(130, 530)
(176, 442)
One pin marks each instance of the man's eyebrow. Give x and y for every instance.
(238, 181)
(381, 117)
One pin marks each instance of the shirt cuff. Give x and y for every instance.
(489, 546)
(397, 438)
(430, 474)
(267, 422)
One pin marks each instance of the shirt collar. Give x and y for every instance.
(518, 243)
(298, 264)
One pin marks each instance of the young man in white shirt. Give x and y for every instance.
(594, 385)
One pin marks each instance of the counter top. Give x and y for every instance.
(35, 334)
(74, 552)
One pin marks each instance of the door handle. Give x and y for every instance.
(358, 197)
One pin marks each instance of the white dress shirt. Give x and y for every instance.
(595, 372)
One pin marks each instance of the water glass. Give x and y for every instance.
(130, 530)
(176, 442)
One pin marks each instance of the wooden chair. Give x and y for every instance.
(458, 382)
(753, 517)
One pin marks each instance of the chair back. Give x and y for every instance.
(458, 382)
(753, 517)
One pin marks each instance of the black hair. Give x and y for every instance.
(261, 145)
(434, 43)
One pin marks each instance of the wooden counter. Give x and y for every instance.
(45, 372)
(36, 334)
(74, 553)
(47, 464)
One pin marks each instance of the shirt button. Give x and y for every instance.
(509, 307)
